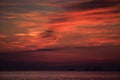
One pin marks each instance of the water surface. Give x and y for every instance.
(58, 75)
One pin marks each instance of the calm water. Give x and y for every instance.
(59, 75)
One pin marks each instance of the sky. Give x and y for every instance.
(59, 32)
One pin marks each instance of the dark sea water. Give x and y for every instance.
(58, 75)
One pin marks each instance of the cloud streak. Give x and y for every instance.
(93, 4)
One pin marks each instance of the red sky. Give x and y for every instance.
(27, 25)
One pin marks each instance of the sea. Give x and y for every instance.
(58, 75)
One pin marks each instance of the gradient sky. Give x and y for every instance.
(59, 31)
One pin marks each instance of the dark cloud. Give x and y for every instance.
(94, 4)
(49, 36)
(48, 33)
(116, 11)
(54, 49)
(105, 12)
(14, 0)
(59, 20)
(43, 50)
(25, 6)
(112, 11)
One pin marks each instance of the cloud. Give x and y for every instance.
(48, 33)
(45, 23)
(93, 4)
(2, 36)
(28, 6)
(59, 20)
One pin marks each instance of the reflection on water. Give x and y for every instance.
(59, 75)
